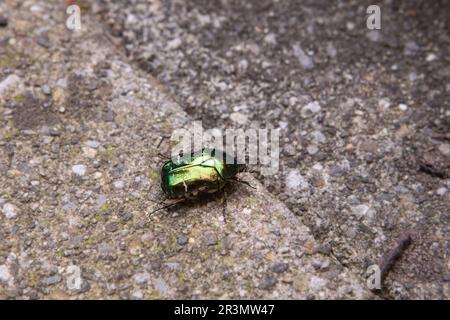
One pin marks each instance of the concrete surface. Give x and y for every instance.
(364, 114)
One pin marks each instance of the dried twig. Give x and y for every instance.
(389, 259)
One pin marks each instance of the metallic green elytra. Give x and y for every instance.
(204, 171)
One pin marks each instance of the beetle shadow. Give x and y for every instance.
(203, 199)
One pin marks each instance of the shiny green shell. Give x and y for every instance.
(204, 171)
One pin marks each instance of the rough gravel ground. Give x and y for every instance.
(365, 115)
(78, 156)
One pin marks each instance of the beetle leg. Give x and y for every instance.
(243, 182)
(165, 207)
(163, 156)
(224, 201)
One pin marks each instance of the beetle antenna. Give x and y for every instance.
(161, 141)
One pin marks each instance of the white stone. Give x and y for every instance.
(317, 284)
(431, 57)
(141, 278)
(331, 50)
(270, 38)
(295, 181)
(5, 276)
(441, 191)
(318, 137)
(312, 107)
(384, 103)
(138, 294)
(445, 149)
(9, 82)
(97, 175)
(373, 35)
(403, 106)
(312, 149)
(79, 169)
(350, 25)
(9, 210)
(305, 60)
(174, 44)
(119, 184)
(89, 152)
(239, 118)
(93, 144)
(360, 210)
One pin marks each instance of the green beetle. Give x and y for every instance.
(204, 171)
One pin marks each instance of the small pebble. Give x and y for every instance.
(46, 89)
(182, 240)
(403, 106)
(119, 184)
(305, 61)
(138, 294)
(441, 191)
(267, 283)
(431, 57)
(239, 118)
(360, 210)
(296, 181)
(210, 239)
(79, 169)
(280, 267)
(312, 149)
(52, 280)
(5, 276)
(9, 210)
(318, 137)
(444, 148)
(310, 108)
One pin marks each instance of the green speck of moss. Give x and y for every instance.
(99, 266)
(5, 193)
(33, 277)
(173, 241)
(18, 98)
(13, 58)
(156, 250)
(98, 217)
(250, 202)
(74, 153)
(105, 207)
(220, 245)
(153, 174)
(153, 295)
(9, 135)
(109, 152)
(182, 277)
